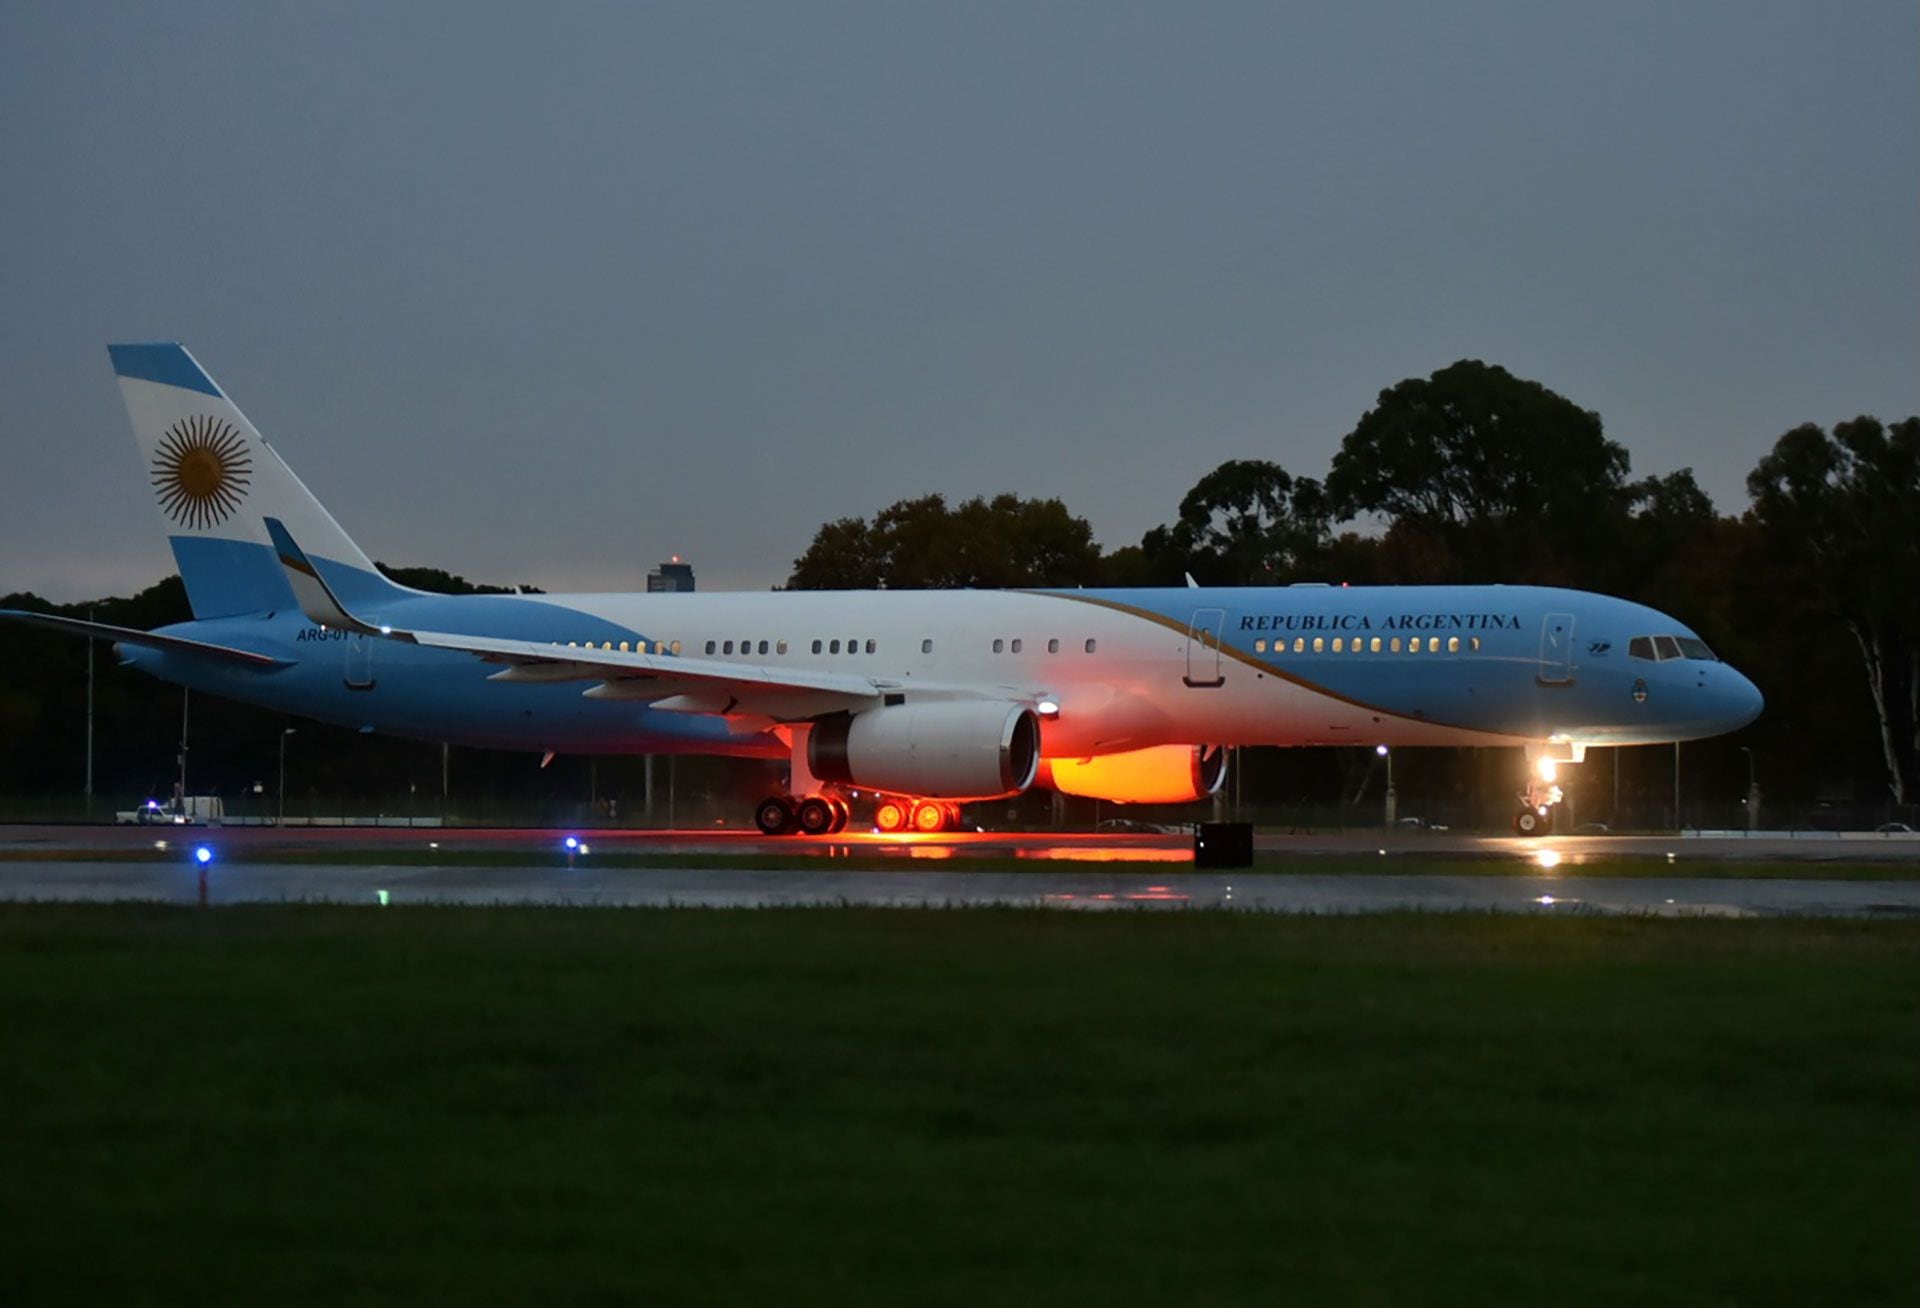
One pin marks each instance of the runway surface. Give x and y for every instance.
(1070, 870)
(236, 842)
(916, 887)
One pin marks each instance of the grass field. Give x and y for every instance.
(272, 1104)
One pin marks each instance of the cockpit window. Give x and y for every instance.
(1656, 648)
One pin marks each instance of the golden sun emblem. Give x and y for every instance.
(200, 471)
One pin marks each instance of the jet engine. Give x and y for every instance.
(945, 749)
(1163, 774)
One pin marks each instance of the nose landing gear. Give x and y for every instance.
(1538, 800)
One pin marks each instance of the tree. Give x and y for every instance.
(1842, 512)
(1250, 523)
(1496, 478)
(922, 544)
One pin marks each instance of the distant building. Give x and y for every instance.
(673, 575)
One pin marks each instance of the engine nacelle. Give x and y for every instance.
(945, 749)
(1164, 774)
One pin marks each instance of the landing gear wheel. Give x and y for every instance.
(929, 818)
(1527, 822)
(814, 817)
(841, 815)
(774, 817)
(890, 816)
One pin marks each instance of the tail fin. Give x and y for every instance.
(215, 481)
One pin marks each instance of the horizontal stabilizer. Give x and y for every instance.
(151, 639)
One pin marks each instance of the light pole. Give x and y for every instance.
(1393, 798)
(1753, 793)
(284, 733)
(89, 721)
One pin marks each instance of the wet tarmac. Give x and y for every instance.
(236, 842)
(1119, 887)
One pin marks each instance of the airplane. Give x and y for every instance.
(925, 699)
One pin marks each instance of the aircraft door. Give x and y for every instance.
(359, 669)
(1556, 649)
(1203, 649)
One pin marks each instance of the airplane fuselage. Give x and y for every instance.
(1298, 665)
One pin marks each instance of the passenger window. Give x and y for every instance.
(1476, 643)
(676, 647)
(869, 647)
(1336, 645)
(727, 648)
(1299, 644)
(1433, 645)
(1260, 646)
(710, 647)
(623, 647)
(1394, 645)
(780, 647)
(999, 645)
(1453, 644)
(1413, 644)
(1319, 644)
(834, 648)
(1374, 645)
(1668, 647)
(816, 647)
(1053, 645)
(1090, 644)
(926, 646)
(1016, 644)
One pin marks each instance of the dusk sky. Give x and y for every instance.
(547, 293)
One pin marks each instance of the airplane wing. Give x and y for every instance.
(153, 639)
(669, 682)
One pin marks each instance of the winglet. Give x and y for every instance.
(316, 598)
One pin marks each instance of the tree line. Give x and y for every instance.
(1470, 475)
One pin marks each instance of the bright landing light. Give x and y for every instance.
(1547, 858)
(1547, 770)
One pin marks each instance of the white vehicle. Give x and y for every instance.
(195, 810)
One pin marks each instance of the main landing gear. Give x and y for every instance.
(924, 816)
(827, 815)
(816, 815)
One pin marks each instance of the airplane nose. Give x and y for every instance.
(1744, 701)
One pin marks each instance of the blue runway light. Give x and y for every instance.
(572, 843)
(202, 855)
